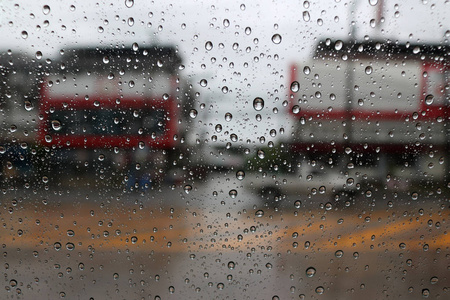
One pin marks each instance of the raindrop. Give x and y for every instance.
(228, 117)
(429, 99)
(414, 196)
(46, 9)
(231, 265)
(276, 38)
(56, 125)
(320, 290)
(240, 175)
(57, 246)
(310, 272)
(134, 239)
(232, 193)
(248, 30)
(425, 293)
(339, 253)
(24, 34)
(259, 213)
(225, 89)
(261, 154)
(115, 276)
(338, 45)
(135, 47)
(306, 70)
(296, 109)
(373, 2)
(295, 86)
(28, 105)
(306, 16)
(258, 104)
(434, 280)
(203, 83)
(368, 70)
(38, 54)
(193, 113)
(187, 188)
(226, 23)
(218, 128)
(208, 45)
(297, 204)
(129, 3)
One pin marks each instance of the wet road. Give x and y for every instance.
(83, 243)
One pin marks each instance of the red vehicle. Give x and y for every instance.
(375, 107)
(121, 104)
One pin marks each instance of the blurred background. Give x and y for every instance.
(269, 150)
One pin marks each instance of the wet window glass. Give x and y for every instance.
(224, 149)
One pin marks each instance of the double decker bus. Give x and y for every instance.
(116, 108)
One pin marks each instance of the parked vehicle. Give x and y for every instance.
(380, 108)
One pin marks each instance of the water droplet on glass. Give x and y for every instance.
(259, 213)
(368, 70)
(232, 193)
(248, 30)
(295, 86)
(228, 117)
(297, 204)
(28, 105)
(225, 89)
(203, 83)
(415, 196)
(320, 290)
(258, 104)
(129, 3)
(425, 293)
(240, 175)
(338, 45)
(46, 9)
(261, 154)
(218, 128)
(231, 265)
(373, 2)
(296, 109)
(56, 125)
(187, 188)
(208, 45)
(306, 16)
(193, 113)
(310, 272)
(130, 22)
(306, 70)
(24, 34)
(115, 276)
(276, 38)
(226, 23)
(429, 99)
(38, 54)
(339, 253)
(434, 280)
(57, 246)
